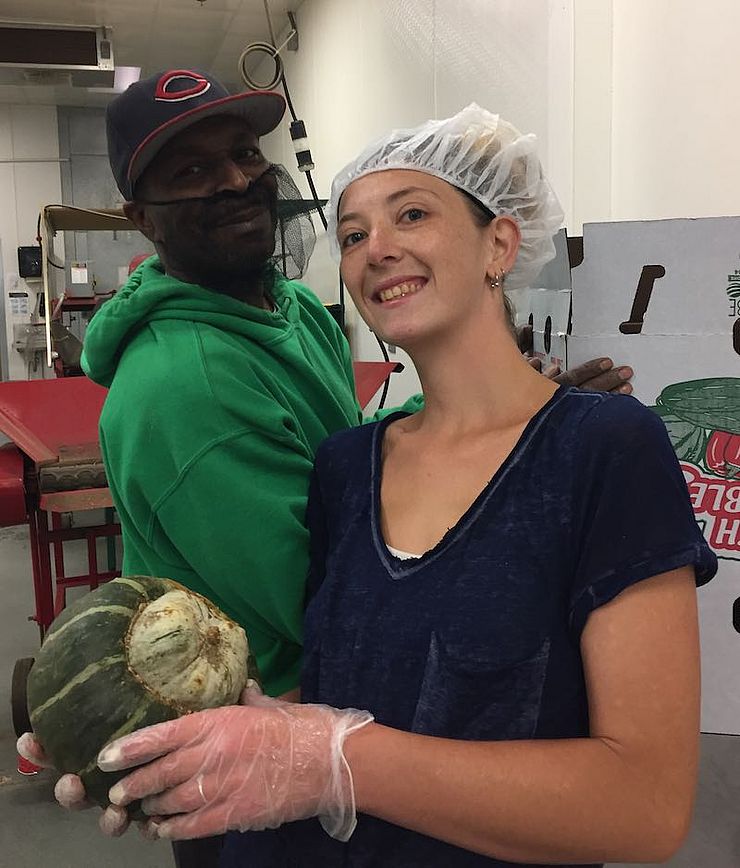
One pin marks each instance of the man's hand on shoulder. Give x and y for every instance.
(596, 375)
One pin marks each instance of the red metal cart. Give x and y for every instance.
(53, 466)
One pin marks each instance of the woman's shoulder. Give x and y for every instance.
(614, 443)
(612, 421)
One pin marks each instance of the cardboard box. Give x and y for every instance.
(664, 297)
(546, 307)
(550, 315)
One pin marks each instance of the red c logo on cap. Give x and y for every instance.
(162, 93)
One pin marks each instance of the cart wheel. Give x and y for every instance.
(18, 703)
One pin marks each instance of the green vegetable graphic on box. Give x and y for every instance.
(703, 422)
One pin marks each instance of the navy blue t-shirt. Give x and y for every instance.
(479, 638)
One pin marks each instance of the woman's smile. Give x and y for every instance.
(397, 289)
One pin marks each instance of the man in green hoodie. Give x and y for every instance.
(223, 376)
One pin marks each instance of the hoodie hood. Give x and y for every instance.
(150, 295)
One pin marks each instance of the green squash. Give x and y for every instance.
(134, 652)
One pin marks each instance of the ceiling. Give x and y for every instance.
(154, 35)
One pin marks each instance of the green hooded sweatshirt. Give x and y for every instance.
(214, 412)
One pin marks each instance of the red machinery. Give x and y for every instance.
(53, 466)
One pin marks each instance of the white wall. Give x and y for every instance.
(655, 110)
(676, 123)
(363, 68)
(29, 179)
(588, 144)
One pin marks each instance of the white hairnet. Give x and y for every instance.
(482, 154)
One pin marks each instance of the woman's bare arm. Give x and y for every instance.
(624, 794)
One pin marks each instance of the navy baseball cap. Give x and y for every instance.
(150, 112)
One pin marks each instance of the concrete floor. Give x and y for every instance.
(34, 831)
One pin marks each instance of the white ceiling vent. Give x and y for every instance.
(48, 54)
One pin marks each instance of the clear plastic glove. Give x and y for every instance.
(69, 790)
(253, 766)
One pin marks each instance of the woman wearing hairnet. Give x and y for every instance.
(504, 583)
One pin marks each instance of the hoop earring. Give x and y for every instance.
(498, 280)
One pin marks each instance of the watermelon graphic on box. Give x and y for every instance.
(703, 422)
